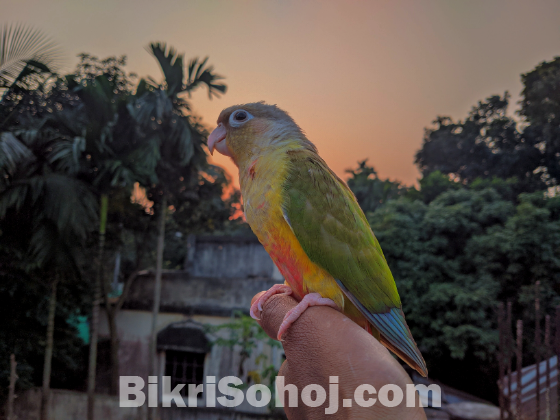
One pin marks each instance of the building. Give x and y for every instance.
(220, 276)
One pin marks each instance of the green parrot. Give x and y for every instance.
(311, 225)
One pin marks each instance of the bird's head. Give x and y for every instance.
(245, 131)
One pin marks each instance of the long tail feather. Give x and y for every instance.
(394, 333)
(396, 336)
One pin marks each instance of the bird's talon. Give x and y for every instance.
(258, 304)
(252, 313)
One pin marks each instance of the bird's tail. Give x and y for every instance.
(392, 332)
(420, 368)
(396, 336)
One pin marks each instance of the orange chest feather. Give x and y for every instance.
(264, 215)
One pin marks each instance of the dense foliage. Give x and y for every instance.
(486, 144)
(482, 228)
(65, 143)
(455, 258)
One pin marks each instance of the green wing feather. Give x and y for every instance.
(334, 233)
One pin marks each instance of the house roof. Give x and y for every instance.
(529, 388)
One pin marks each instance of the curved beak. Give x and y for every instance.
(217, 140)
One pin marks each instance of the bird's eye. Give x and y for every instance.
(239, 118)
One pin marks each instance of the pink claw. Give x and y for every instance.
(312, 299)
(274, 290)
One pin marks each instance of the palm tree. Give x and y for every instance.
(165, 116)
(98, 143)
(27, 60)
(107, 166)
(56, 208)
(112, 158)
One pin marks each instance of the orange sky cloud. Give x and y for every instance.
(362, 78)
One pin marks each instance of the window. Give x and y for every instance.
(184, 367)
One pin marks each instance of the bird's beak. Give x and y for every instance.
(217, 140)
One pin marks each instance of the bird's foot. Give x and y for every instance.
(312, 299)
(274, 290)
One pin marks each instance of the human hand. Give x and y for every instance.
(324, 343)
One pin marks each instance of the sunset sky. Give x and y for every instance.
(362, 78)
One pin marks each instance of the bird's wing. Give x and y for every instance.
(334, 233)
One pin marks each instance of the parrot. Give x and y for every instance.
(311, 225)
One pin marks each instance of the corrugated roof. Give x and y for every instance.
(529, 387)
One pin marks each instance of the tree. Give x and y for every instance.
(456, 256)
(114, 157)
(486, 144)
(370, 191)
(210, 207)
(165, 119)
(98, 137)
(448, 305)
(112, 163)
(27, 59)
(97, 142)
(130, 233)
(24, 301)
(50, 211)
(434, 184)
(540, 110)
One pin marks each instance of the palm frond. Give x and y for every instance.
(55, 139)
(199, 73)
(65, 154)
(48, 248)
(98, 96)
(171, 64)
(181, 135)
(151, 108)
(64, 200)
(13, 198)
(25, 51)
(145, 85)
(143, 160)
(12, 153)
(68, 202)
